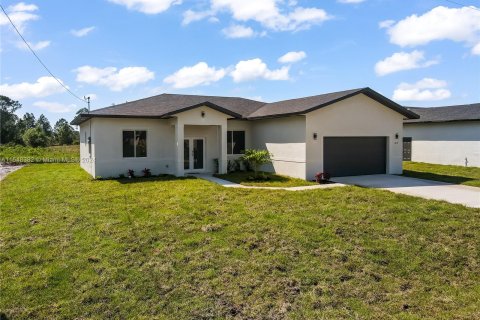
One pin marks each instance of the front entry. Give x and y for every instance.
(194, 154)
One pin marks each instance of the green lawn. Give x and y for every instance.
(274, 180)
(469, 176)
(21, 154)
(165, 248)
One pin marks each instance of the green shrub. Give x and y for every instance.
(35, 137)
(256, 158)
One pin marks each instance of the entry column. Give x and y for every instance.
(222, 166)
(179, 140)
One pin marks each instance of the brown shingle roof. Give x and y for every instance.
(165, 105)
(464, 112)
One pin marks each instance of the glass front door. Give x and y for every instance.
(194, 154)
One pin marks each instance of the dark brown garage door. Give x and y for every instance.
(354, 156)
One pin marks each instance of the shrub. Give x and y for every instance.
(131, 173)
(256, 158)
(322, 177)
(35, 137)
(121, 176)
(146, 173)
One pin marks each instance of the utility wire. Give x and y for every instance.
(461, 4)
(38, 58)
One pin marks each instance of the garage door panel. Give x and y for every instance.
(349, 156)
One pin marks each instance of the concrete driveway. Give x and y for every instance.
(454, 193)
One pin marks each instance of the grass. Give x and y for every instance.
(163, 248)
(274, 180)
(469, 176)
(22, 154)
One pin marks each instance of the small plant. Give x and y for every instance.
(256, 158)
(146, 173)
(322, 177)
(131, 173)
(216, 165)
(121, 176)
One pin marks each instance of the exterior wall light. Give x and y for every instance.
(315, 136)
(203, 114)
(396, 136)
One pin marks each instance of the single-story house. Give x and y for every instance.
(444, 135)
(352, 132)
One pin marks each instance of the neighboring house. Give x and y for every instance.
(351, 132)
(444, 135)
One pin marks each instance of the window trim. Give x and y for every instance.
(230, 132)
(135, 144)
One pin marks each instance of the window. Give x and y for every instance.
(235, 142)
(134, 144)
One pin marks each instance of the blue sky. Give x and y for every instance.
(419, 53)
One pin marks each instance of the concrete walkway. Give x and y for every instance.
(229, 184)
(436, 190)
(7, 169)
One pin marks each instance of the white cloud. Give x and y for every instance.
(292, 57)
(44, 86)
(199, 74)
(350, 1)
(255, 68)
(113, 78)
(20, 14)
(265, 12)
(440, 23)
(55, 107)
(476, 49)
(190, 16)
(403, 61)
(35, 46)
(82, 32)
(385, 24)
(238, 31)
(427, 89)
(147, 6)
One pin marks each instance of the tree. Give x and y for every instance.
(35, 137)
(9, 120)
(43, 123)
(64, 133)
(256, 158)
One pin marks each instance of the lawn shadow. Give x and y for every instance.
(436, 177)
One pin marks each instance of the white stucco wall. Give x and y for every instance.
(445, 143)
(285, 139)
(355, 116)
(107, 138)
(87, 158)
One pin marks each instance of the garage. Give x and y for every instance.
(354, 156)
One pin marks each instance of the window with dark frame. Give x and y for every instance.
(134, 144)
(235, 142)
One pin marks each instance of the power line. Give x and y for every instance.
(461, 4)
(38, 58)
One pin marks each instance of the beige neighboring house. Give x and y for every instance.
(444, 135)
(352, 132)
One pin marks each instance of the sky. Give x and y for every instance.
(417, 52)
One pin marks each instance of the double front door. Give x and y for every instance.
(194, 154)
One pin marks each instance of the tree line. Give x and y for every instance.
(30, 131)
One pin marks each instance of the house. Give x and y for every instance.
(444, 135)
(344, 133)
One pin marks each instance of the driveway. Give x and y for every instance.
(454, 193)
